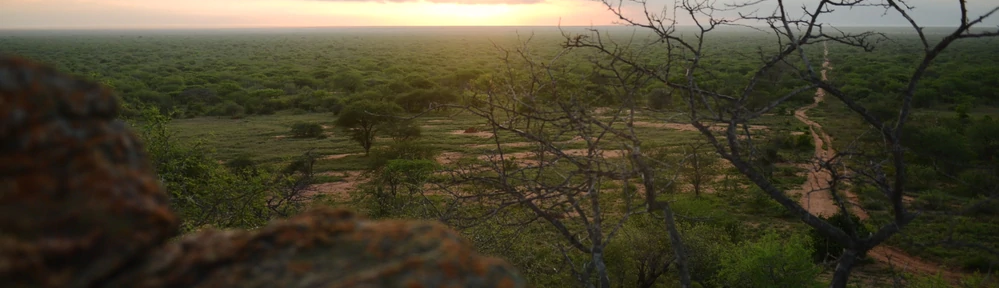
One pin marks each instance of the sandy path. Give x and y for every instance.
(817, 199)
(815, 196)
(340, 189)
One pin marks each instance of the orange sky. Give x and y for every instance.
(257, 13)
(61, 14)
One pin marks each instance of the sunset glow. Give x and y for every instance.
(118, 14)
(291, 13)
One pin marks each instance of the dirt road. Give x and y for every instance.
(815, 196)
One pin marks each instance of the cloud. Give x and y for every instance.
(466, 2)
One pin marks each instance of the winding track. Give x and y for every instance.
(816, 198)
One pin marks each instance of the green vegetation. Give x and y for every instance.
(303, 130)
(254, 124)
(364, 119)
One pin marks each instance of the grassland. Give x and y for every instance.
(237, 95)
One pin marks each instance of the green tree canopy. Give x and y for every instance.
(364, 119)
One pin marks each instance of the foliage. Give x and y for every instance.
(408, 150)
(398, 185)
(660, 99)
(207, 193)
(404, 130)
(305, 130)
(824, 249)
(951, 148)
(773, 260)
(364, 120)
(202, 191)
(642, 253)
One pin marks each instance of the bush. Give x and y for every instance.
(979, 263)
(202, 191)
(983, 207)
(920, 177)
(404, 131)
(825, 249)
(305, 130)
(931, 200)
(761, 203)
(408, 150)
(660, 99)
(772, 261)
(977, 182)
(242, 163)
(396, 187)
(642, 243)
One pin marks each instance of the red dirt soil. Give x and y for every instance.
(817, 199)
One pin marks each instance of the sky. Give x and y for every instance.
(145, 14)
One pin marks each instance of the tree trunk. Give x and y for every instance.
(677, 243)
(843, 267)
(601, 267)
(697, 175)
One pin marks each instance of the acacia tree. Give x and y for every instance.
(364, 119)
(682, 68)
(700, 168)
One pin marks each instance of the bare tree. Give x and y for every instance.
(700, 168)
(794, 31)
(585, 173)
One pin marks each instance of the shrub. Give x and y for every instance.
(404, 131)
(772, 261)
(202, 191)
(920, 177)
(983, 207)
(825, 249)
(979, 263)
(761, 203)
(396, 187)
(242, 163)
(305, 130)
(660, 99)
(408, 150)
(931, 200)
(977, 182)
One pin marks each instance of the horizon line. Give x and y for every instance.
(190, 28)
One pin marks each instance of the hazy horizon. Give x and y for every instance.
(255, 14)
(404, 27)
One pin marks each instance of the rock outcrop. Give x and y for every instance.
(80, 206)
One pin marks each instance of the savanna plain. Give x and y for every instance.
(584, 158)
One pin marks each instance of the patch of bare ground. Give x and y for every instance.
(447, 158)
(689, 127)
(439, 121)
(279, 137)
(340, 189)
(340, 156)
(815, 195)
(904, 262)
(531, 157)
(504, 145)
(477, 133)
(575, 139)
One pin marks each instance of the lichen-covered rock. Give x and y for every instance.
(80, 207)
(78, 199)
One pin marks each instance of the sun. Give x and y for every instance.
(463, 14)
